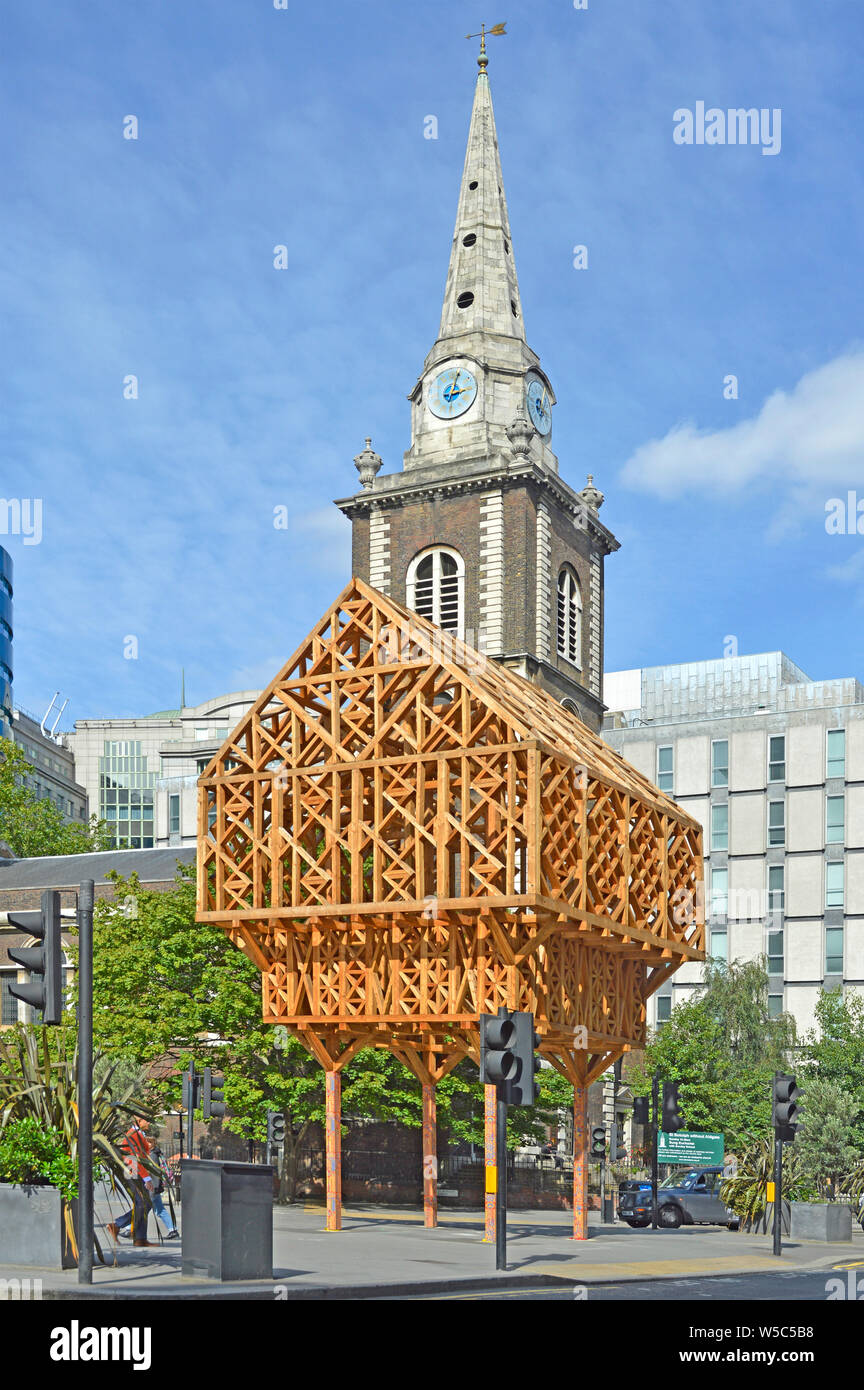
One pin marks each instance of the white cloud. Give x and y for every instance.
(811, 435)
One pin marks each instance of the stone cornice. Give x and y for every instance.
(529, 475)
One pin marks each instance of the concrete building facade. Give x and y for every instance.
(772, 764)
(141, 774)
(53, 776)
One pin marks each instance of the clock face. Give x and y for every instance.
(452, 392)
(539, 406)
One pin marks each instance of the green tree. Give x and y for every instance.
(834, 1050)
(723, 1046)
(825, 1138)
(34, 826)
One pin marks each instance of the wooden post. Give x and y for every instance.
(333, 1137)
(490, 1100)
(580, 1162)
(430, 1156)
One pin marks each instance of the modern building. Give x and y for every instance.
(53, 775)
(141, 774)
(478, 531)
(23, 881)
(5, 643)
(772, 763)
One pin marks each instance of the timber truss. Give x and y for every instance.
(404, 835)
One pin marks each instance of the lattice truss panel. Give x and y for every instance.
(404, 835)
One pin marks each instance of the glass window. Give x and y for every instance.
(719, 827)
(833, 950)
(777, 759)
(665, 768)
(719, 946)
(836, 753)
(664, 1008)
(719, 892)
(720, 763)
(775, 1005)
(835, 820)
(776, 822)
(775, 953)
(776, 889)
(174, 815)
(834, 885)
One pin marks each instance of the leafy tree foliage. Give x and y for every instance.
(824, 1139)
(723, 1046)
(34, 826)
(834, 1051)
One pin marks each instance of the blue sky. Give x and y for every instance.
(304, 127)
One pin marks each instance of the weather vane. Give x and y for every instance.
(497, 29)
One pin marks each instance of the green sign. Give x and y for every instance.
(696, 1150)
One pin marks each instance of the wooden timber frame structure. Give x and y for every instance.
(404, 835)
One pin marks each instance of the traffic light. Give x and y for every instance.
(497, 1054)
(45, 995)
(523, 1088)
(672, 1120)
(641, 1111)
(785, 1106)
(214, 1095)
(195, 1102)
(275, 1127)
(598, 1141)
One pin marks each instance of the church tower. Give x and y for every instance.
(479, 532)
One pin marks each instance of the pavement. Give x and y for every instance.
(387, 1253)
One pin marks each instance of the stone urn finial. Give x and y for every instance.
(592, 496)
(520, 433)
(367, 464)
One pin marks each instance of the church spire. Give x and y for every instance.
(482, 293)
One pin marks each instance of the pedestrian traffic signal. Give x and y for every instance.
(213, 1105)
(193, 1102)
(598, 1141)
(275, 1127)
(641, 1111)
(672, 1120)
(785, 1106)
(497, 1054)
(45, 995)
(523, 1088)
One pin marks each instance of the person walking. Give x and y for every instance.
(156, 1188)
(137, 1147)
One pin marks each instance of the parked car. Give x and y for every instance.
(689, 1198)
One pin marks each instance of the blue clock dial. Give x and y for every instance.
(539, 406)
(452, 392)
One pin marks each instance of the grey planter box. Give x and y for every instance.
(33, 1228)
(821, 1221)
(227, 1228)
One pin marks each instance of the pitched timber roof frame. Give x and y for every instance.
(404, 835)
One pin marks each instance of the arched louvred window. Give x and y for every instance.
(570, 617)
(436, 588)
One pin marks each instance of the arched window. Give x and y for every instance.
(569, 617)
(436, 588)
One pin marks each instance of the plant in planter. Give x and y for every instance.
(32, 1155)
(746, 1191)
(39, 1117)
